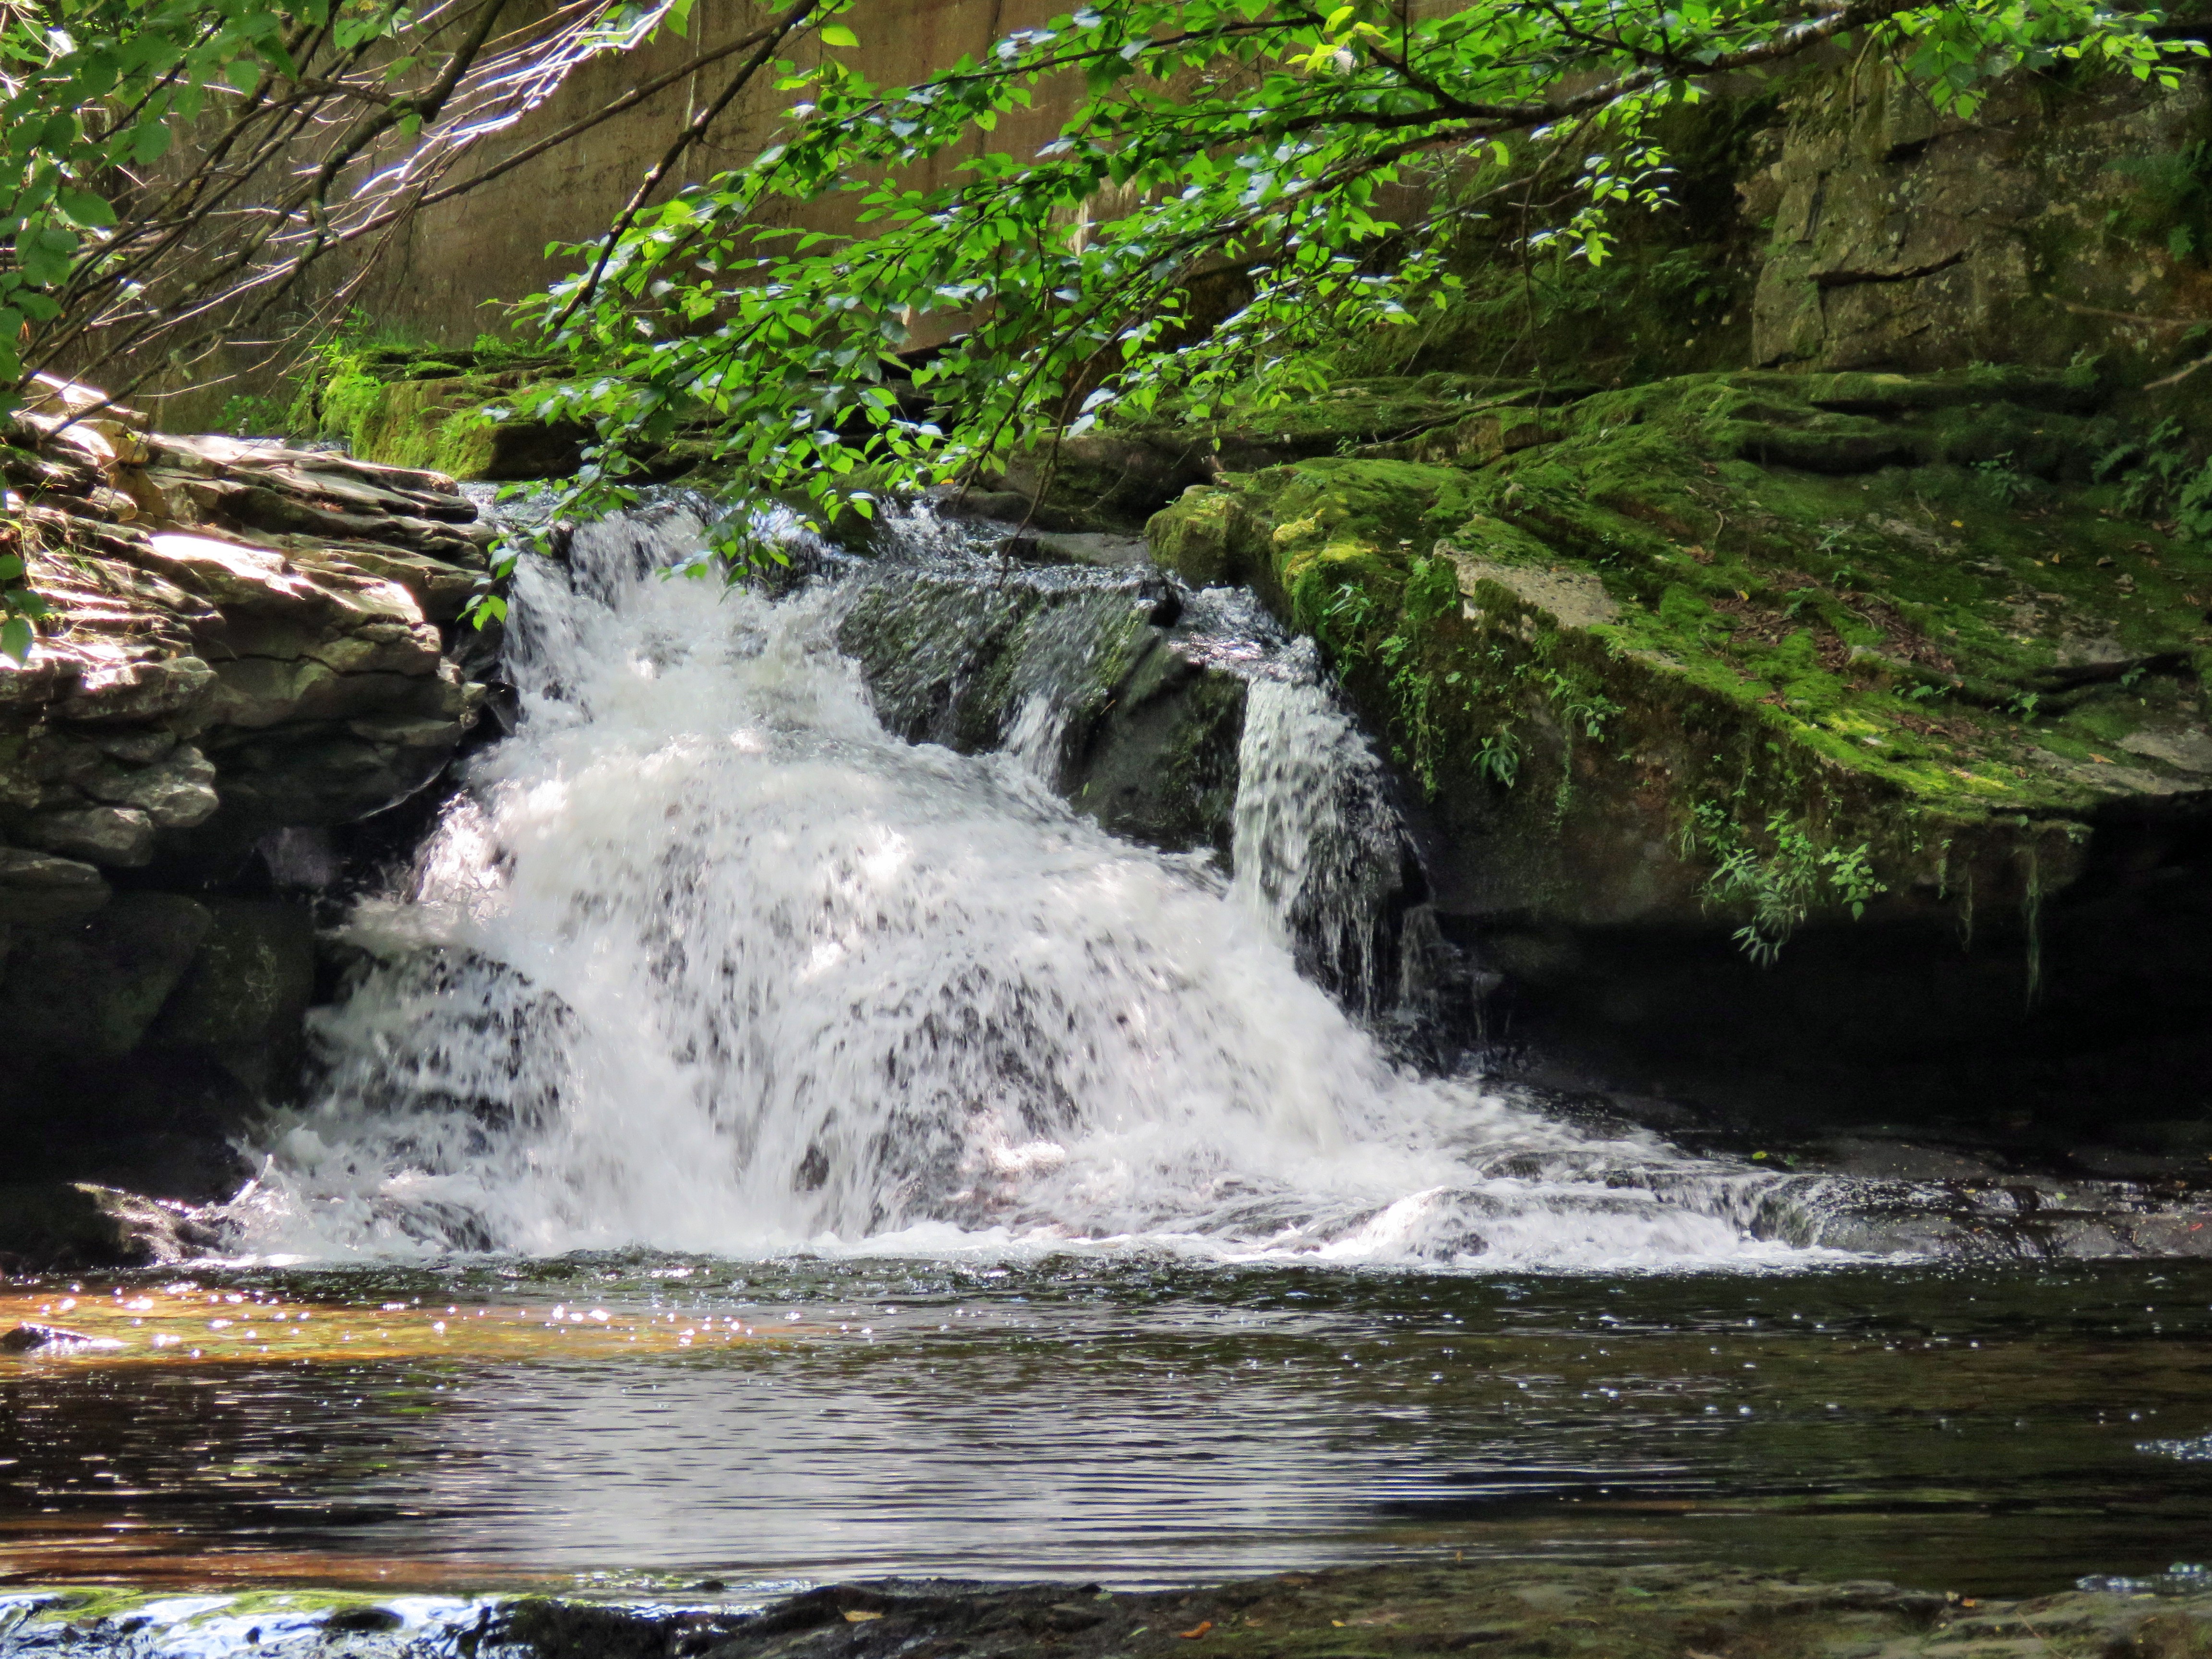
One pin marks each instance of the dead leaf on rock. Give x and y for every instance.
(1191, 1635)
(859, 1615)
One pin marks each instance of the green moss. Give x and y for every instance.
(1798, 598)
(449, 412)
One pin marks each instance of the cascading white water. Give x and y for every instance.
(1317, 849)
(706, 960)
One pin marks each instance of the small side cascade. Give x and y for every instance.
(1320, 853)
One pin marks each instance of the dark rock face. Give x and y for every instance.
(1159, 763)
(61, 1226)
(245, 640)
(1125, 722)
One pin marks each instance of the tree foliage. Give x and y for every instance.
(1328, 153)
(183, 176)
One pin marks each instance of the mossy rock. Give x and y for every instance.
(1117, 476)
(442, 412)
(1744, 649)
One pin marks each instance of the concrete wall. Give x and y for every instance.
(434, 281)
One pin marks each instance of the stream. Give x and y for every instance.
(757, 1149)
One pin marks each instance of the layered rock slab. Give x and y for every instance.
(243, 638)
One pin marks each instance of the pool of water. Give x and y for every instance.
(638, 1424)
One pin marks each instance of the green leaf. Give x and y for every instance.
(149, 142)
(86, 207)
(836, 34)
(15, 638)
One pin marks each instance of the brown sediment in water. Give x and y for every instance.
(160, 1560)
(185, 1320)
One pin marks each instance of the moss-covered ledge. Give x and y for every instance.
(448, 409)
(1754, 646)
(1823, 749)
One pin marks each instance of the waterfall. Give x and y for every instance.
(1318, 852)
(705, 958)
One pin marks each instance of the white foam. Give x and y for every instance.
(706, 961)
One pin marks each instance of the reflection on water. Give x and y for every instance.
(1132, 1420)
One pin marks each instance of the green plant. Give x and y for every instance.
(2153, 470)
(2171, 205)
(1780, 883)
(20, 608)
(1499, 759)
(252, 416)
(1342, 621)
(2002, 476)
(1588, 709)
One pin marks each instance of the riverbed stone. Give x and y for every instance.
(1439, 1605)
(73, 1225)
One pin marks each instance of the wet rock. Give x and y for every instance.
(53, 1339)
(362, 1621)
(1121, 720)
(62, 1226)
(1431, 1607)
(1159, 765)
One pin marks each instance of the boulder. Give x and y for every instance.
(65, 1227)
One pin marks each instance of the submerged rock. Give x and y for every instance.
(53, 1339)
(1433, 1605)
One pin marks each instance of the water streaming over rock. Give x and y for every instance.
(707, 958)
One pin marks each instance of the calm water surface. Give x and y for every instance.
(643, 1424)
